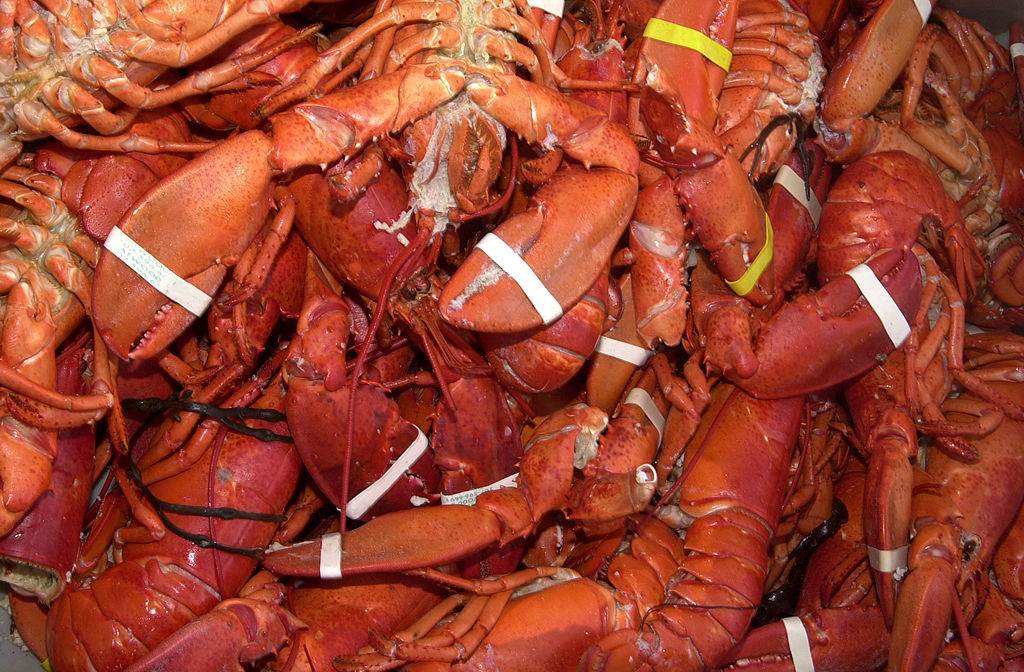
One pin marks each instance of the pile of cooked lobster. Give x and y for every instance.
(511, 335)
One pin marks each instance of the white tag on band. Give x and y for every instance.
(556, 7)
(627, 352)
(510, 262)
(890, 561)
(150, 269)
(1016, 49)
(924, 8)
(642, 398)
(799, 645)
(330, 556)
(468, 497)
(797, 188)
(361, 503)
(882, 303)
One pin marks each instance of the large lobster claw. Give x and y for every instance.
(838, 315)
(559, 224)
(195, 222)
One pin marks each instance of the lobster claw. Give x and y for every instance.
(836, 314)
(195, 222)
(558, 226)
(852, 637)
(242, 629)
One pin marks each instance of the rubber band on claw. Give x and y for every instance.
(508, 260)
(890, 561)
(361, 503)
(623, 351)
(746, 282)
(150, 269)
(684, 36)
(799, 644)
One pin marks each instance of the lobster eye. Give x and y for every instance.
(970, 548)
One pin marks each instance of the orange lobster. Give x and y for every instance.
(769, 96)
(837, 616)
(36, 556)
(105, 83)
(679, 120)
(412, 538)
(47, 262)
(928, 594)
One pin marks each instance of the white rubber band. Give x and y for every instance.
(797, 188)
(468, 497)
(510, 262)
(642, 398)
(890, 561)
(556, 7)
(330, 556)
(361, 503)
(1016, 49)
(799, 645)
(881, 302)
(924, 8)
(627, 352)
(163, 279)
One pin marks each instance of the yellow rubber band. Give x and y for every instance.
(673, 33)
(746, 282)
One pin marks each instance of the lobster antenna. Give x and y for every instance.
(414, 248)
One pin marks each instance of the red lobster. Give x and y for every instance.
(235, 178)
(107, 622)
(676, 602)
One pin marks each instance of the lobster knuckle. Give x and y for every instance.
(511, 509)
